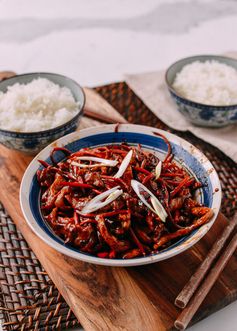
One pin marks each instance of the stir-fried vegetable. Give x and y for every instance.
(158, 169)
(98, 203)
(102, 162)
(157, 206)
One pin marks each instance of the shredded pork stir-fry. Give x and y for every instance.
(119, 201)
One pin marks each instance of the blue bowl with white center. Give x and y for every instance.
(198, 113)
(32, 142)
(186, 154)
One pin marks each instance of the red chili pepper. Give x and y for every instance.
(44, 163)
(136, 241)
(173, 182)
(197, 185)
(118, 180)
(179, 187)
(116, 127)
(76, 218)
(88, 221)
(76, 184)
(169, 174)
(190, 182)
(102, 148)
(168, 145)
(142, 170)
(61, 149)
(147, 178)
(118, 151)
(112, 254)
(96, 191)
(103, 254)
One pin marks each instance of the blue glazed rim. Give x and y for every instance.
(152, 142)
(194, 103)
(48, 132)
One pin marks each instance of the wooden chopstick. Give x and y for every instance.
(187, 314)
(102, 117)
(6, 74)
(187, 292)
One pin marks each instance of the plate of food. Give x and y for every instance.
(120, 195)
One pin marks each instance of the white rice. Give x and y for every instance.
(209, 82)
(36, 106)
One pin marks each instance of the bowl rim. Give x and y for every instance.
(61, 126)
(195, 57)
(37, 229)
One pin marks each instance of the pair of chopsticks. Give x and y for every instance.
(191, 296)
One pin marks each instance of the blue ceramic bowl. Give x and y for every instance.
(198, 113)
(185, 153)
(33, 142)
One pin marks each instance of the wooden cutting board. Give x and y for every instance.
(104, 298)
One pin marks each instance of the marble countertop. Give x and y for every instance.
(97, 42)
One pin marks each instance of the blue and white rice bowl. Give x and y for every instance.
(186, 154)
(198, 113)
(32, 142)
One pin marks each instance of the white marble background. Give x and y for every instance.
(98, 41)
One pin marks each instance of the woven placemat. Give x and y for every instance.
(28, 298)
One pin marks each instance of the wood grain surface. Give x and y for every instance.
(104, 298)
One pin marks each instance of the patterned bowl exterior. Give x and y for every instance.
(32, 142)
(203, 115)
(185, 153)
(197, 113)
